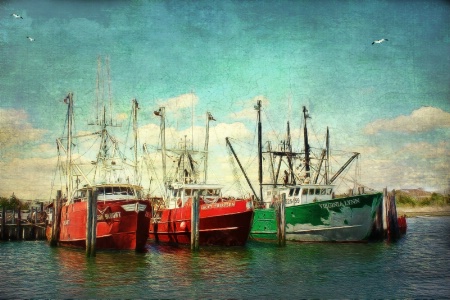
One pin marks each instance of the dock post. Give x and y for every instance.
(281, 221)
(89, 223)
(94, 223)
(19, 224)
(195, 215)
(55, 219)
(385, 211)
(394, 231)
(3, 223)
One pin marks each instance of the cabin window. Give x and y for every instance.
(323, 191)
(329, 191)
(188, 192)
(297, 190)
(317, 191)
(305, 192)
(291, 192)
(108, 190)
(311, 191)
(211, 192)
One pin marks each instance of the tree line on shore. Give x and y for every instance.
(435, 199)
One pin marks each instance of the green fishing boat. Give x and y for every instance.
(312, 212)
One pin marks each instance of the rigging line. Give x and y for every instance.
(152, 166)
(277, 134)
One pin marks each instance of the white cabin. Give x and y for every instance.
(298, 194)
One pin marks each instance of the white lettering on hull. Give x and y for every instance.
(340, 203)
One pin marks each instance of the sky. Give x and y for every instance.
(388, 101)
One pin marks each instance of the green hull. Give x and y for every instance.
(347, 219)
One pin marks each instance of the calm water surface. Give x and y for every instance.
(417, 266)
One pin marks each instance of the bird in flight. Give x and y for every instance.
(17, 16)
(30, 38)
(379, 41)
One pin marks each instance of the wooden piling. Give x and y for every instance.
(3, 223)
(56, 216)
(19, 225)
(94, 222)
(281, 221)
(88, 223)
(195, 216)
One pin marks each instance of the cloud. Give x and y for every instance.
(15, 130)
(172, 105)
(423, 119)
(249, 111)
(34, 183)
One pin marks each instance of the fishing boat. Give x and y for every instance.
(121, 213)
(312, 211)
(223, 221)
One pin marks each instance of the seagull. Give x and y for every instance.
(16, 16)
(30, 38)
(379, 41)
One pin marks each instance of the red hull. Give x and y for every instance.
(225, 223)
(121, 225)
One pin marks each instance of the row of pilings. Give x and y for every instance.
(15, 229)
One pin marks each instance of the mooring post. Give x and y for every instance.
(19, 224)
(393, 220)
(3, 223)
(56, 216)
(195, 214)
(89, 223)
(281, 221)
(94, 222)
(385, 212)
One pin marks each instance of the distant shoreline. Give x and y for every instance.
(423, 211)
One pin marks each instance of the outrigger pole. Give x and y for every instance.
(355, 154)
(242, 169)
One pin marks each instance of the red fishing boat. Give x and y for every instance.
(223, 221)
(122, 214)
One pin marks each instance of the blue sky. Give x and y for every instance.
(389, 101)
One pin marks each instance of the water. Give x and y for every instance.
(417, 266)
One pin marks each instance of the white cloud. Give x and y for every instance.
(423, 119)
(29, 178)
(248, 113)
(15, 128)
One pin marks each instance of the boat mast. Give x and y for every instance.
(69, 101)
(161, 113)
(305, 133)
(327, 162)
(135, 108)
(289, 153)
(209, 117)
(260, 175)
